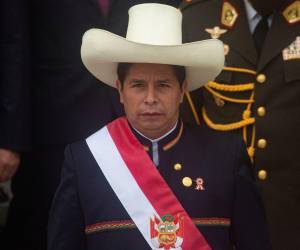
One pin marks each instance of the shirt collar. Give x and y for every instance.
(251, 12)
(254, 17)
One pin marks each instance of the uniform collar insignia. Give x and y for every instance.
(229, 15)
(292, 12)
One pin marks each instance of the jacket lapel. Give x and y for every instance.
(239, 37)
(280, 36)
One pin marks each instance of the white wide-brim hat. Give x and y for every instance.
(154, 35)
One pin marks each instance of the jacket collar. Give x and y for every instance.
(165, 142)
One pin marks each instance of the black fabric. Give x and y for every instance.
(260, 33)
(33, 187)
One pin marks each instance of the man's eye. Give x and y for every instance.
(136, 85)
(164, 85)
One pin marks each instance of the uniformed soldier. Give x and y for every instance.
(146, 181)
(256, 95)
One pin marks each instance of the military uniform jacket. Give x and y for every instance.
(257, 97)
(86, 213)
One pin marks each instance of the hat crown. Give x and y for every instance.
(154, 24)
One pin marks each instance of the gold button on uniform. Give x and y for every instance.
(261, 111)
(262, 175)
(262, 143)
(261, 78)
(187, 181)
(177, 166)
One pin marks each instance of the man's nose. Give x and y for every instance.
(151, 96)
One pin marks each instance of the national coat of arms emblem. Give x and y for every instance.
(167, 232)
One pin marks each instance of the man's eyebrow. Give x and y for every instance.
(134, 80)
(163, 80)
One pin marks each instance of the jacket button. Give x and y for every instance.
(261, 111)
(177, 167)
(261, 78)
(262, 175)
(262, 143)
(187, 182)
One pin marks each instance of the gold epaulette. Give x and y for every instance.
(246, 119)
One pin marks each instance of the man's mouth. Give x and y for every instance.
(150, 114)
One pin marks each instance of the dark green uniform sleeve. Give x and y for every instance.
(249, 226)
(66, 224)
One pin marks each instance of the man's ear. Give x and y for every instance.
(119, 87)
(184, 88)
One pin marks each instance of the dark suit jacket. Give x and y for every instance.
(15, 113)
(84, 197)
(69, 103)
(279, 95)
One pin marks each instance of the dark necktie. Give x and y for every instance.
(104, 6)
(260, 32)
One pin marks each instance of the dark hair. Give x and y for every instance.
(123, 69)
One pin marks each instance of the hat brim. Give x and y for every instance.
(101, 51)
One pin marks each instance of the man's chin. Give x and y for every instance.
(151, 117)
(151, 123)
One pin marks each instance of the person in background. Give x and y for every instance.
(256, 95)
(67, 103)
(15, 115)
(14, 87)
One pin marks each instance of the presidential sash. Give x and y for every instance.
(143, 192)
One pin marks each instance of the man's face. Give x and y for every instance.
(151, 95)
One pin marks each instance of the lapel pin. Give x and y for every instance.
(199, 184)
(216, 33)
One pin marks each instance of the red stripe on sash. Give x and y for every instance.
(147, 176)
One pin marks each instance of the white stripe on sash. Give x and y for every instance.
(122, 182)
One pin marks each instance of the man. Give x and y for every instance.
(256, 95)
(146, 181)
(68, 103)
